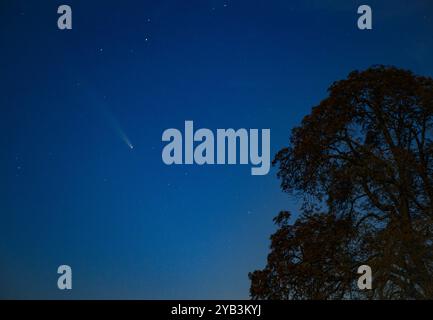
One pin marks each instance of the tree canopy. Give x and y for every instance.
(362, 163)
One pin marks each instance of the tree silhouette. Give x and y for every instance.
(362, 162)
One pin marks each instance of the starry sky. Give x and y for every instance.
(72, 191)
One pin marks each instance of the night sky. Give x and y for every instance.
(72, 191)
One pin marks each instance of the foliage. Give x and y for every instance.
(363, 163)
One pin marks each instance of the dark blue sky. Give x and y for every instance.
(72, 192)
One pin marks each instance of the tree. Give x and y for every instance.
(362, 162)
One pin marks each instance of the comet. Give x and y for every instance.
(102, 107)
(121, 133)
(116, 126)
(126, 139)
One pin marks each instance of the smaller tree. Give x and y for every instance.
(314, 258)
